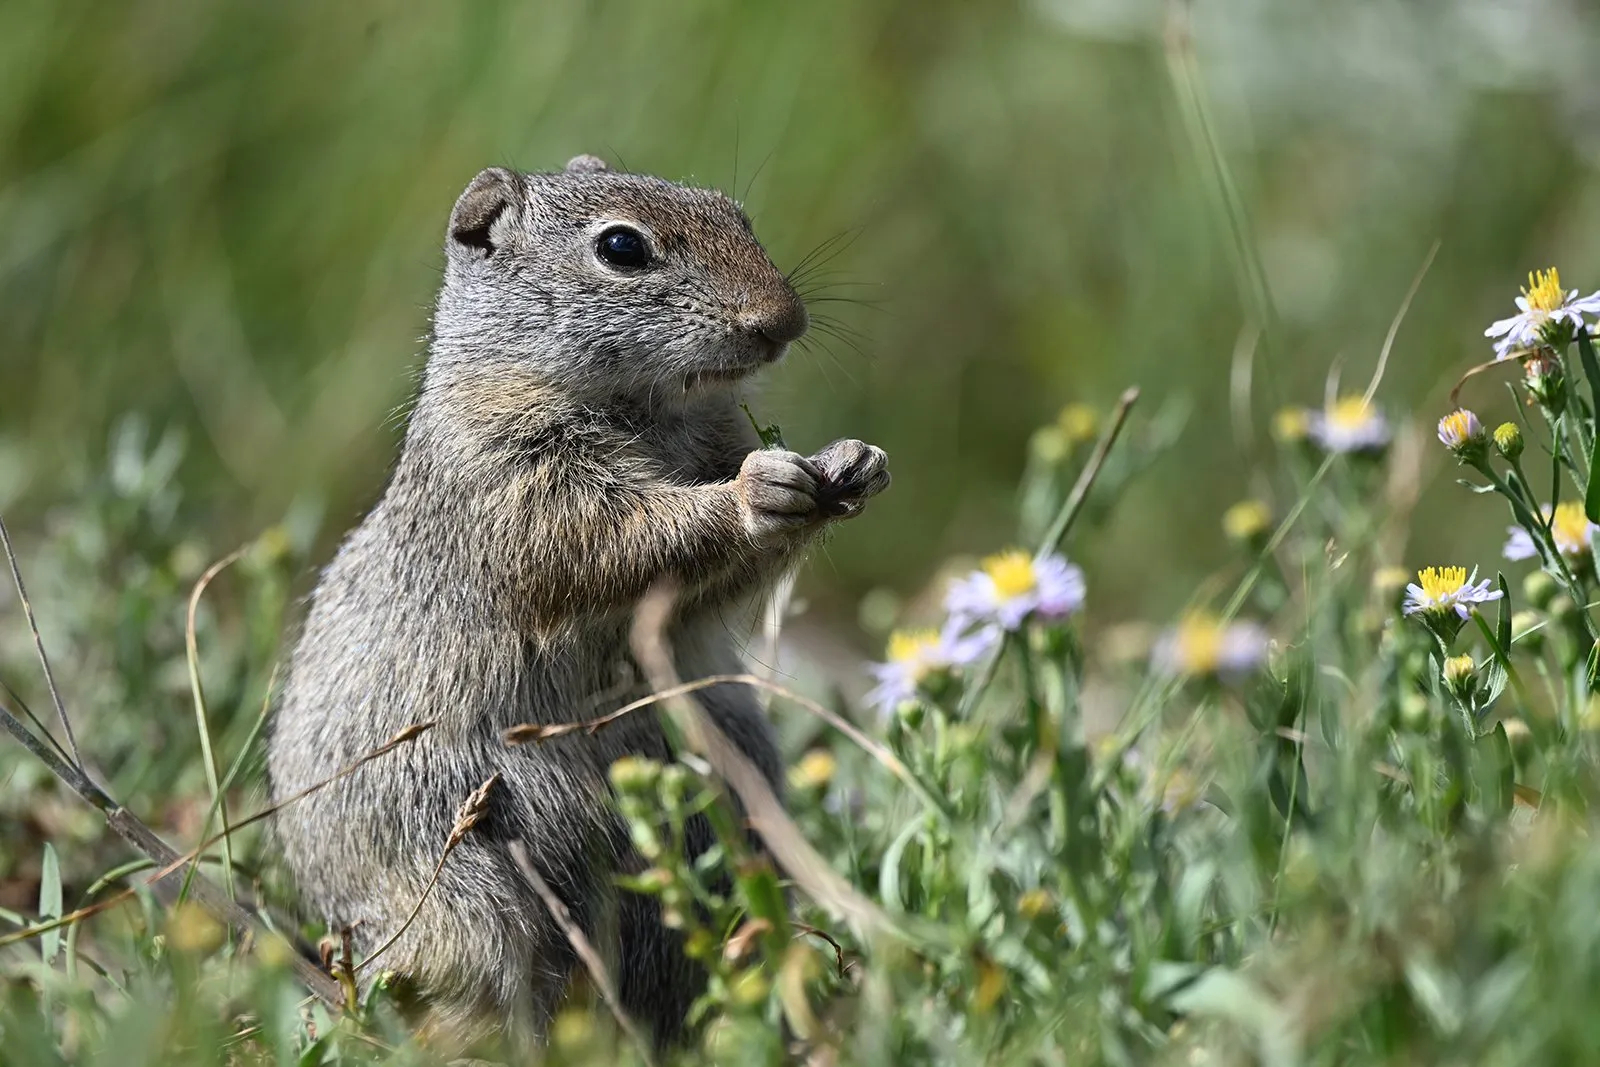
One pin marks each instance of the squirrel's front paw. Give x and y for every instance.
(853, 471)
(777, 492)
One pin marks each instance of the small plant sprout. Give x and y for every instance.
(1204, 646)
(1462, 433)
(1349, 424)
(1011, 587)
(1547, 315)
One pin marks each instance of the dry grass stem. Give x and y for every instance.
(764, 812)
(401, 737)
(583, 947)
(838, 949)
(219, 802)
(536, 733)
(60, 922)
(38, 645)
(468, 815)
(1394, 325)
(128, 826)
(1062, 525)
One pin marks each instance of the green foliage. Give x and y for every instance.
(1357, 841)
(1296, 826)
(230, 217)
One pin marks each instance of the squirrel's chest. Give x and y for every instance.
(691, 452)
(593, 673)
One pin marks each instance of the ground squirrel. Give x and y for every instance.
(577, 437)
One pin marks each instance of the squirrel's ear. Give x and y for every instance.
(492, 194)
(586, 165)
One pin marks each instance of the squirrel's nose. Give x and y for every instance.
(780, 321)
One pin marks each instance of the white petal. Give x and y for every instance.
(1501, 326)
(1589, 304)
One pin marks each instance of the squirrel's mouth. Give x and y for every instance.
(712, 376)
(720, 376)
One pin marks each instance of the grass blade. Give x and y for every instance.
(50, 902)
(1591, 371)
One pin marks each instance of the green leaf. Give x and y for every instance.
(764, 896)
(1591, 370)
(50, 902)
(316, 1053)
(889, 872)
(1225, 994)
(1503, 625)
(1500, 671)
(1494, 770)
(1168, 978)
(771, 434)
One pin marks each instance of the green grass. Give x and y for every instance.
(1082, 849)
(221, 231)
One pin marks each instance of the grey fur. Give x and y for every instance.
(575, 439)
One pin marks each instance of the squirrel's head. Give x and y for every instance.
(610, 283)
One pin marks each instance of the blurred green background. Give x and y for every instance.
(228, 217)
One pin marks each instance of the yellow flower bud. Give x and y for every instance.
(1508, 440)
(1247, 522)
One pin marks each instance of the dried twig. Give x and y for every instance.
(124, 823)
(468, 815)
(1062, 524)
(764, 812)
(402, 737)
(538, 733)
(838, 949)
(71, 917)
(193, 855)
(136, 833)
(582, 946)
(38, 645)
(127, 826)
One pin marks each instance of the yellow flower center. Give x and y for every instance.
(815, 769)
(1441, 583)
(1349, 413)
(1181, 790)
(1458, 669)
(1011, 572)
(1198, 645)
(1544, 292)
(1079, 422)
(911, 646)
(1570, 528)
(1246, 520)
(1050, 444)
(1388, 581)
(1457, 425)
(1291, 424)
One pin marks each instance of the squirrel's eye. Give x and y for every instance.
(623, 247)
